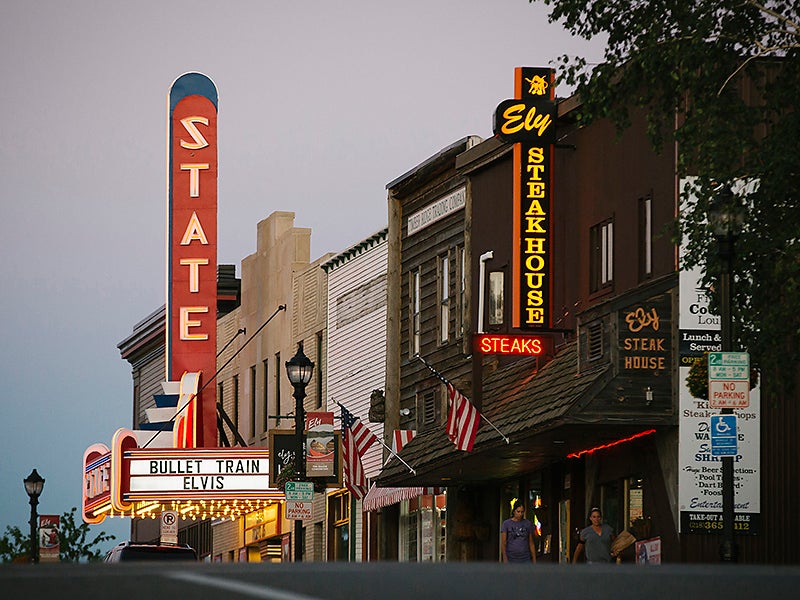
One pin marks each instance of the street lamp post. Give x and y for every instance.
(725, 219)
(299, 370)
(34, 484)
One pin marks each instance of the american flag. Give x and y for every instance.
(356, 439)
(463, 420)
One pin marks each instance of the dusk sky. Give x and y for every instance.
(321, 104)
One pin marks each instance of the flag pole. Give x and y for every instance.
(446, 382)
(392, 452)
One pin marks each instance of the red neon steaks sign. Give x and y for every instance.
(510, 344)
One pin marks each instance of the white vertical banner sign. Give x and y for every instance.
(700, 472)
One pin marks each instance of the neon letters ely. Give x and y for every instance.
(528, 121)
(192, 242)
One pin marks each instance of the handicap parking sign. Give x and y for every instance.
(723, 435)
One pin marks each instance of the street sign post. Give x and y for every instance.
(299, 510)
(723, 435)
(299, 500)
(728, 380)
(299, 490)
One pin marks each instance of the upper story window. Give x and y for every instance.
(496, 286)
(601, 260)
(461, 296)
(645, 237)
(444, 298)
(414, 310)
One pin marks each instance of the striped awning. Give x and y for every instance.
(378, 497)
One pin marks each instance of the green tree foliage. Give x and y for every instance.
(683, 65)
(76, 544)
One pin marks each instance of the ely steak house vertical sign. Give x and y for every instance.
(192, 249)
(528, 122)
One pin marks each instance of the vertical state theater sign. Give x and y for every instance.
(192, 249)
(529, 121)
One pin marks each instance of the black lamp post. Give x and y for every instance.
(299, 370)
(34, 484)
(725, 219)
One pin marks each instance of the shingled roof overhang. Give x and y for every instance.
(540, 413)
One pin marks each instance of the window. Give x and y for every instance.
(645, 237)
(265, 399)
(318, 373)
(601, 261)
(444, 298)
(236, 402)
(496, 282)
(461, 282)
(422, 529)
(414, 313)
(339, 526)
(278, 387)
(221, 400)
(253, 401)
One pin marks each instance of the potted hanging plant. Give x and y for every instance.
(697, 380)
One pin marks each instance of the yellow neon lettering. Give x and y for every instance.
(534, 258)
(194, 271)
(534, 225)
(511, 116)
(194, 176)
(186, 323)
(535, 155)
(199, 141)
(535, 245)
(194, 231)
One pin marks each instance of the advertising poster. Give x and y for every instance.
(648, 552)
(49, 546)
(320, 444)
(700, 472)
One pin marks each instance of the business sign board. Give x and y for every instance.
(437, 210)
(96, 494)
(191, 343)
(519, 345)
(700, 470)
(528, 121)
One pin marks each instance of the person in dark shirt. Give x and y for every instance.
(516, 537)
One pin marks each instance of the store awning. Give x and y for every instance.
(541, 410)
(378, 497)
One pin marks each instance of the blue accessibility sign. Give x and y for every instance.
(723, 435)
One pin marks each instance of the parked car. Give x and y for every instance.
(135, 551)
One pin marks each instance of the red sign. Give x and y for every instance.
(192, 242)
(320, 444)
(96, 497)
(511, 344)
(528, 121)
(49, 544)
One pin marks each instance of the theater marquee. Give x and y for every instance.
(130, 481)
(528, 122)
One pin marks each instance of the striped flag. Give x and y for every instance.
(463, 420)
(356, 439)
(401, 437)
